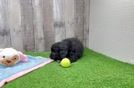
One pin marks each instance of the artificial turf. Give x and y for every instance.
(93, 70)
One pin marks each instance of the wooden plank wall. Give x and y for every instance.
(4, 28)
(86, 22)
(34, 25)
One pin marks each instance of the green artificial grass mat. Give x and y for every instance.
(93, 70)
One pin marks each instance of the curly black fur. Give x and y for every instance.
(70, 48)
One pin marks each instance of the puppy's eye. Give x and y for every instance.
(3, 57)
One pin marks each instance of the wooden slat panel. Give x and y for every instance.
(27, 24)
(48, 24)
(59, 22)
(86, 22)
(14, 21)
(39, 23)
(79, 19)
(4, 29)
(38, 26)
(69, 10)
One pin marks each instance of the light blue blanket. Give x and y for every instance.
(6, 72)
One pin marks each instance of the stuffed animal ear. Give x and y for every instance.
(23, 57)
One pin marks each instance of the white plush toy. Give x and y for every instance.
(10, 56)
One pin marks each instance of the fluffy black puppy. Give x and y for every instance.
(71, 48)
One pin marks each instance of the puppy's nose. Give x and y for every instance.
(8, 61)
(52, 56)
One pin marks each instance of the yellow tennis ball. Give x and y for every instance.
(65, 62)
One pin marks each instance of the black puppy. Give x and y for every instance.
(70, 48)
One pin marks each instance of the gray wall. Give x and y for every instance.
(112, 28)
(34, 25)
